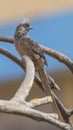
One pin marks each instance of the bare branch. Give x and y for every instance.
(39, 101)
(15, 107)
(37, 79)
(26, 85)
(59, 56)
(12, 57)
(19, 96)
(55, 54)
(65, 112)
(51, 82)
(7, 39)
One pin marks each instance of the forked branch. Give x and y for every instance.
(18, 104)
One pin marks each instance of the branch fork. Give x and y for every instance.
(18, 104)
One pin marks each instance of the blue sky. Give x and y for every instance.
(54, 31)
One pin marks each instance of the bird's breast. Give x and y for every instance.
(22, 47)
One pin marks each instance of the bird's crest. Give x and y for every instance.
(25, 21)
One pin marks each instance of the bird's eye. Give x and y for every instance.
(27, 25)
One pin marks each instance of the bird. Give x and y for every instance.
(25, 45)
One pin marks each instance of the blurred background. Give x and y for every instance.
(52, 22)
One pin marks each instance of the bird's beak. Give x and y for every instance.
(29, 28)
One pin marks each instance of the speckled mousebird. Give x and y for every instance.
(27, 46)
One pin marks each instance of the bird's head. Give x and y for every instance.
(26, 24)
(22, 29)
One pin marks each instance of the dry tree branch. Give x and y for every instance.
(51, 82)
(37, 79)
(17, 105)
(59, 56)
(26, 85)
(21, 109)
(8, 54)
(7, 39)
(66, 113)
(39, 101)
(14, 100)
(55, 54)
(11, 56)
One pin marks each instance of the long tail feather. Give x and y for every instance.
(44, 80)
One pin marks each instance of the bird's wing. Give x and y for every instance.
(36, 48)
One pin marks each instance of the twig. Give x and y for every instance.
(59, 56)
(8, 54)
(7, 39)
(39, 101)
(65, 112)
(51, 82)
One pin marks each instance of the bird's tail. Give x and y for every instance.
(44, 80)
